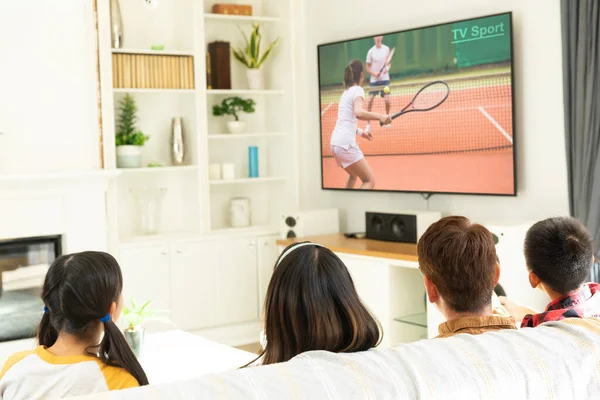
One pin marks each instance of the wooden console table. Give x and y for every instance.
(338, 243)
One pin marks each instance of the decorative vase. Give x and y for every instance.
(177, 146)
(149, 201)
(116, 25)
(135, 338)
(129, 156)
(253, 162)
(256, 80)
(236, 126)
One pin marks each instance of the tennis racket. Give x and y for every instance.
(427, 98)
(388, 59)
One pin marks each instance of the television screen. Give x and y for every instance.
(448, 89)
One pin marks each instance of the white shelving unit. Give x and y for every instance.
(197, 265)
(238, 18)
(244, 92)
(153, 52)
(193, 205)
(241, 136)
(249, 180)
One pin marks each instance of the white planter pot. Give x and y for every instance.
(236, 126)
(129, 156)
(256, 80)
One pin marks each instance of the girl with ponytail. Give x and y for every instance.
(343, 143)
(81, 350)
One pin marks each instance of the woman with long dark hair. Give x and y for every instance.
(312, 304)
(81, 349)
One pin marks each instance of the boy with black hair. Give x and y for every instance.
(559, 256)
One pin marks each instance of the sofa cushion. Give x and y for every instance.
(558, 360)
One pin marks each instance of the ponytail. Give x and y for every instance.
(115, 351)
(47, 335)
(352, 73)
(77, 289)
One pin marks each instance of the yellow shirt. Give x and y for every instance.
(40, 374)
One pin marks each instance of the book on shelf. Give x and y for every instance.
(144, 71)
(220, 65)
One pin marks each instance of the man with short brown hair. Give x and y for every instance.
(460, 270)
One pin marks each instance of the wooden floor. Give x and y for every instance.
(251, 347)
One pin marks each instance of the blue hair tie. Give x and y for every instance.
(106, 318)
(46, 311)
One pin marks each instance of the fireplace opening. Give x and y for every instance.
(23, 266)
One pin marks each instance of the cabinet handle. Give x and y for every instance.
(164, 253)
(251, 245)
(178, 251)
(266, 244)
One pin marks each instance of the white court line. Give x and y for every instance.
(496, 124)
(326, 108)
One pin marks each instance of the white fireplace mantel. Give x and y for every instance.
(70, 204)
(57, 180)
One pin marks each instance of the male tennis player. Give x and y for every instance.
(378, 66)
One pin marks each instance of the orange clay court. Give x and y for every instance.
(463, 146)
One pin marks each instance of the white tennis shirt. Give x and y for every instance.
(344, 133)
(376, 57)
(39, 374)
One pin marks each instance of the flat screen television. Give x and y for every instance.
(456, 82)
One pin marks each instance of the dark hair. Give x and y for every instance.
(79, 289)
(352, 73)
(460, 259)
(560, 252)
(312, 304)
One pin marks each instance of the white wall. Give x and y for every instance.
(542, 178)
(48, 109)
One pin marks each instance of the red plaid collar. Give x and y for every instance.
(570, 306)
(575, 298)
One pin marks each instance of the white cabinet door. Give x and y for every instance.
(193, 288)
(146, 274)
(268, 251)
(237, 280)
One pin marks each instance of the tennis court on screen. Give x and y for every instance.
(465, 145)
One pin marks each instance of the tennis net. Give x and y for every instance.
(477, 116)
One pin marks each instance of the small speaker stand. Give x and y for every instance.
(427, 196)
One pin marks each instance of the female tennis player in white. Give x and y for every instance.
(343, 144)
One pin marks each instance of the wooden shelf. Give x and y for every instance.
(225, 136)
(154, 52)
(131, 90)
(152, 170)
(247, 92)
(362, 247)
(247, 180)
(239, 18)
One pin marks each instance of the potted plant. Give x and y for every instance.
(128, 139)
(136, 317)
(233, 106)
(252, 58)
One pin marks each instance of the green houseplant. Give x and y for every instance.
(251, 57)
(234, 106)
(136, 315)
(128, 139)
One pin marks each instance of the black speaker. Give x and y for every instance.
(401, 227)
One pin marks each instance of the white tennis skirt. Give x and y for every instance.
(344, 158)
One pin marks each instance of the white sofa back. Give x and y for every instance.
(560, 360)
